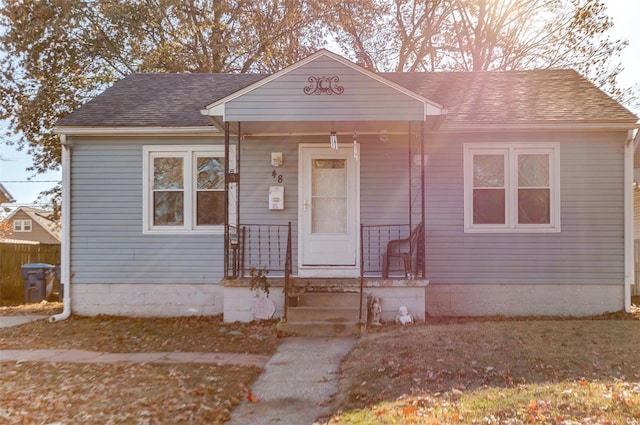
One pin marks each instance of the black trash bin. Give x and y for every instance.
(38, 281)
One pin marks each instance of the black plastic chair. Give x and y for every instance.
(404, 249)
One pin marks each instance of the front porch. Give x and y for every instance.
(353, 296)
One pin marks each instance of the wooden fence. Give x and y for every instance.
(12, 257)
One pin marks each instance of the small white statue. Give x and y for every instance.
(376, 312)
(403, 316)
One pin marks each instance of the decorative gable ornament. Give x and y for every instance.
(324, 85)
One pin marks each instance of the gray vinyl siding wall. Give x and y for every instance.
(384, 183)
(364, 99)
(107, 244)
(588, 250)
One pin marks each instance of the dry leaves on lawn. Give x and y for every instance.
(46, 393)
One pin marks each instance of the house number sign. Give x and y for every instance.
(324, 85)
(276, 176)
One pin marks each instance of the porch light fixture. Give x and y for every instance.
(333, 139)
(355, 145)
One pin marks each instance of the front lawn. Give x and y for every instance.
(139, 393)
(494, 372)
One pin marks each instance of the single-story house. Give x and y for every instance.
(452, 193)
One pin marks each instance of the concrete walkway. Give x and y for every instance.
(84, 356)
(297, 384)
(8, 321)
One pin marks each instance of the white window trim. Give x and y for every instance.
(511, 214)
(20, 226)
(189, 153)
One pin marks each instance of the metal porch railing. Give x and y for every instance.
(263, 246)
(374, 240)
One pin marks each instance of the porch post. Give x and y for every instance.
(237, 172)
(226, 199)
(423, 216)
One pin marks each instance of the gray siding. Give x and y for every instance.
(384, 183)
(256, 178)
(107, 244)
(588, 250)
(364, 99)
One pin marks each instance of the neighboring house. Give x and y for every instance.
(33, 225)
(520, 179)
(5, 196)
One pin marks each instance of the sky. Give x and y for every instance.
(25, 187)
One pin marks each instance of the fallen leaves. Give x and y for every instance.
(108, 394)
(126, 334)
(566, 372)
(251, 396)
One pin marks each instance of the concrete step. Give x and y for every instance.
(320, 328)
(325, 299)
(326, 314)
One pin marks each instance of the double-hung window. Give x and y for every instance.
(184, 189)
(511, 187)
(21, 225)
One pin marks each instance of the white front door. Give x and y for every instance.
(329, 213)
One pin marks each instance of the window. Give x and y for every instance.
(184, 189)
(21, 225)
(512, 187)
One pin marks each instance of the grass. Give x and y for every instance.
(453, 371)
(46, 393)
(494, 372)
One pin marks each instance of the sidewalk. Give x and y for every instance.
(298, 383)
(8, 321)
(295, 388)
(84, 356)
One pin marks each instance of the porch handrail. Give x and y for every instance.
(288, 267)
(262, 246)
(257, 245)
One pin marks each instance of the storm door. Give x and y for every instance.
(328, 208)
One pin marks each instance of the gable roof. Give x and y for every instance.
(366, 88)
(486, 98)
(40, 217)
(5, 196)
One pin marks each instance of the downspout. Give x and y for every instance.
(628, 221)
(65, 251)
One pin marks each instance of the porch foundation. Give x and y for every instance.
(523, 300)
(238, 298)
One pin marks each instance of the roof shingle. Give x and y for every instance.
(175, 100)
